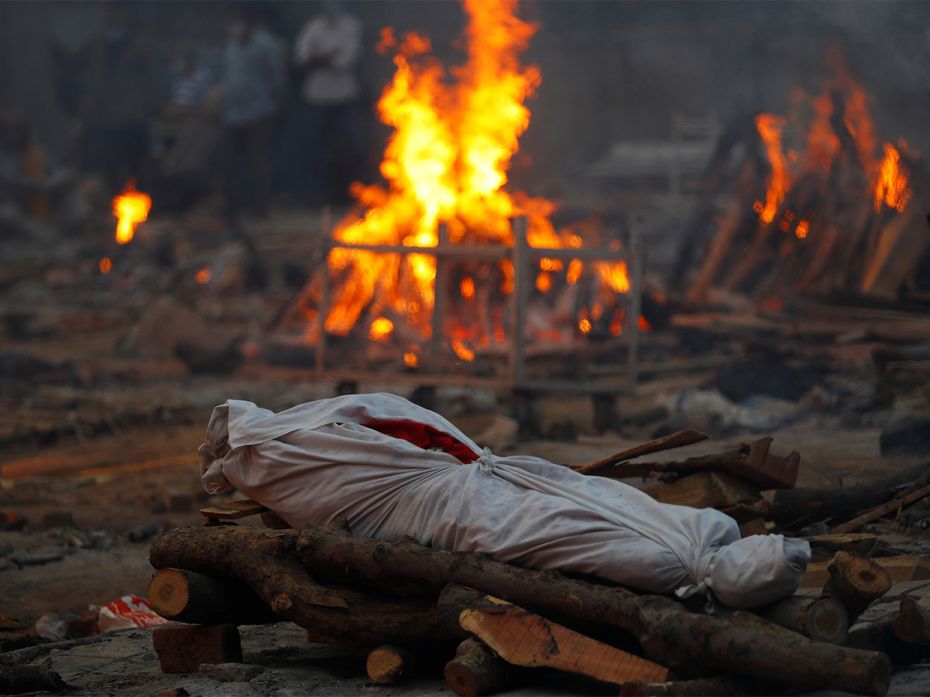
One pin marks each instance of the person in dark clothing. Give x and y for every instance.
(253, 83)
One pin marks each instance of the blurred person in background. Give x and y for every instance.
(330, 140)
(119, 95)
(186, 134)
(253, 84)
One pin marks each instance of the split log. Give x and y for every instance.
(526, 639)
(666, 631)
(795, 508)
(674, 440)
(825, 546)
(476, 671)
(266, 561)
(750, 462)
(884, 509)
(821, 619)
(856, 582)
(388, 664)
(912, 623)
(701, 687)
(186, 596)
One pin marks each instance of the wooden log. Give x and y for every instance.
(525, 639)
(750, 462)
(476, 671)
(266, 561)
(701, 687)
(795, 508)
(388, 664)
(900, 569)
(883, 510)
(666, 631)
(825, 546)
(821, 619)
(674, 440)
(705, 490)
(856, 582)
(186, 596)
(912, 624)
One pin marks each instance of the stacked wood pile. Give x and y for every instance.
(412, 605)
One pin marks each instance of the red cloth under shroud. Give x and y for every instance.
(423, 436)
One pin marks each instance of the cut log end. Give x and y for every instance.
(169, 592)
(387, 665)
(475, 670)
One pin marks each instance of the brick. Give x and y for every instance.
(182, 648)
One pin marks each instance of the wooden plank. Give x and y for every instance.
(525, 639)
(233, 510)
(901, 569)
(705, 490)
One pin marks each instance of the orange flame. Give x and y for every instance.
(410, 359)
(203, 275)
(380, 329)
(462, 351)
(467, 287)
(801, 230)
(770, 128)
(106, 265)
(130, 208)
(891, 187)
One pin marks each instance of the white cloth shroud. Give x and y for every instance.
(317, 463)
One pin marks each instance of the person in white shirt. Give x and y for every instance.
(327, 51)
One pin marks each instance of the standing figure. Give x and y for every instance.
(252, 87)
(327, 51)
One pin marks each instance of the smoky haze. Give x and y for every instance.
(611, 70)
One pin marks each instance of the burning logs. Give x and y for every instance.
(277, 566)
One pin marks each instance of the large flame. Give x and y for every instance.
(840, 128)
(445, 168)
(130, 208)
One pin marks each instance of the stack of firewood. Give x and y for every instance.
(731, 480)
(398, 597)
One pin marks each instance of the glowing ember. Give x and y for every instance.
(446, 166)
(584, 326)
(105, 265)
(380, 328)
(643, 324)
(770, 128)
(543, 282)
(203, 275)
(462, 351)
(801, 230)
(891, 187)
(410, 359)
(130, 208)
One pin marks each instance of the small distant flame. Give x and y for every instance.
(130, 208)
(802, 229)
(203, 275)
(380, 328)
(462, 351)
(584, 326)
(575, 269)
(543, 282)
(614, 274)
(410, 359)
(770, 128)
(891, 188)
(643, 324)
(106, 265)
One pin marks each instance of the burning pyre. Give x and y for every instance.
(445, 167)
